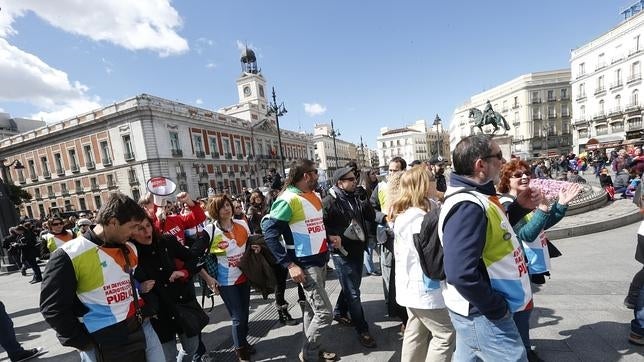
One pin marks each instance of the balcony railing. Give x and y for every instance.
(599, 115)
(111, 184)
(581, 74)
(615, 111)
(181, 174)
(214, 155)
(600, 90)
(51, 195)
(616, 85)
(79, 189)
(34, 177)
(200, 154)
(133, 179)
(552, 99)
(634, 78)
(565, 97)
(129, 156)
(203, 174)
(535, 100)
(565, 115)
(552, 115)
(602, 131)
(65, 192)
(90, 165)
(632, 107)
(581, 97)
(75, 168)
(536, 117)
(632, 52)
(107, 162)
(95, 187)
(21, 179)
(600, 66)
(177, 153)
(46, 174)
(38, 196)
(240, 156)
(229, 156)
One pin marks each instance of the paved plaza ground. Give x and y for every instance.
(579, 314)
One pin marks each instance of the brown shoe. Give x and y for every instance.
(366, 340)
(243, 354)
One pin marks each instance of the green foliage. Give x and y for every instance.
(18, 195)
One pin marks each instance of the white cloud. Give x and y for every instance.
(202, 43)
(142, 24)
(35, 82)
(199, 101)
(211, 65)
(314, 109)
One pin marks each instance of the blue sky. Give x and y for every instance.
(364, 64)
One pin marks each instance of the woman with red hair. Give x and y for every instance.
(514, 179)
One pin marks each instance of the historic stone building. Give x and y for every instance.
(74, 164)
(413, 142)
(607, 80)
(536, 106)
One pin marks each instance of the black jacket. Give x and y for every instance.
(157, 262)
(339, 209)
(61, 307)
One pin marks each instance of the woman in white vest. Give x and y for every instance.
(429, 334)
(228, 242)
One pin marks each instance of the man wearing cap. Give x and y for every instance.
(345, 215)
(57, 235)
(297, 216)
(83, 226)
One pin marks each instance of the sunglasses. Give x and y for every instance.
(348, 179)
(520, 174)
(499, 156)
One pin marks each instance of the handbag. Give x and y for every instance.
(354, 232)
(191, 317)
(209, 261)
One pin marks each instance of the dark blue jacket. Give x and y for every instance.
(464, 232)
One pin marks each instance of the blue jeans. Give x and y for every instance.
(478, 338)
(8, 339)
(153, 348)
(637, 324)
(349, 273)
(522, 320)
(189, 347)
(368, 256)
(237, 301)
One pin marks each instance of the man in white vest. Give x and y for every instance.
(296, 215)
(487, 278)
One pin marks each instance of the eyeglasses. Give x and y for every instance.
(520, 174)
(499, 156)
(348, 179)
(57, 224)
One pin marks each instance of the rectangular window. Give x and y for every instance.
(45, 166)
(73, 161)
(87, 152)
(79, 187)
(32, 169)
(127, 147)
(213, 145)
(564, 93)
(582, 69)
(249, 150)
(81, 203)
(174, 141)
(105, 153)
(226, 143)
(238, 147)
(97, 202)
(551, 95)
(59, 163)
(198, 143)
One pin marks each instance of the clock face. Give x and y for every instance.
(246, 91)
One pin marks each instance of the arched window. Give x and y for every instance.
(582, 112)
(635, 98)
(618, 101)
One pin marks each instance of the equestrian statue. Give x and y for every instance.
(488, 116)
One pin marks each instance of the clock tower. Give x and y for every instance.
(251, 85)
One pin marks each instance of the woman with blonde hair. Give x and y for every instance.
(429, 335)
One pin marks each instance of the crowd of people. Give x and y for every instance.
(119, 283)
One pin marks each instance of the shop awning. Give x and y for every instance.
(604, 141)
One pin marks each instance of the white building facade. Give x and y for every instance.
(606, 87)
(414, 142)
(537, 107)
(328, 156)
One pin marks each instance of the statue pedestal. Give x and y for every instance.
(505, 142)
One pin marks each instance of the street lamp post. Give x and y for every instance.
(364, 163)
(437, 123)
(278, 111)
(334, 134)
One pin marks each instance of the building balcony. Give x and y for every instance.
(106, 162)
(632, 52)
(616, 85)
(203, 174)
(46, 174)
(615, 111)
(51, 195)
(599, 66)
(21, 179)
(552, 115)
(60, 172)
(632, 108)
(34, 177)
(552, 99)
(600, 91)
(565, 98)
(79, 190)
(634, 124)
(200, 154)
(181, 174)
(602, 132)
(95, 187)
(111, 184)
(565, 115)
(231, 173)
(599, 115)
(535, 100)
(214, 155)
(240, 156)
(177, 153)
(75, 168)
(580, 98)
(133, 180)
(65, 192)
(536, 117)
(90, 165)
(38, 196)
(229, 156)
(129, 156)
(515, 106)
(634, 78)
(581, 74)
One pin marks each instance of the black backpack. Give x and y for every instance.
(428, 245)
